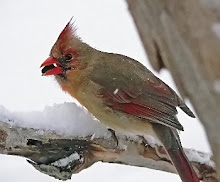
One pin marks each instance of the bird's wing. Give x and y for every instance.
(143, 106)
(148, 98)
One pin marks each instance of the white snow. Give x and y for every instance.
(216, 86)
(67, 119)
(4, 114)
(216, 28)
(203, 158)
(152, 141)
(93, 136)
(116, 91)
(65, 161)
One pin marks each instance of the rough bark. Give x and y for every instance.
(184, 37)
(45, 150)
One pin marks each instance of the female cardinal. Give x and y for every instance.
(121, 93)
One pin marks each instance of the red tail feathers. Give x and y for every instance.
(170, 139)
(182, 165)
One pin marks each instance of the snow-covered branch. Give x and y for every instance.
(65, 139)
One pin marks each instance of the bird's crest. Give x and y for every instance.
(68, 32)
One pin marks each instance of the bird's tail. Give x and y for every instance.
(182, 165)
(170, 139)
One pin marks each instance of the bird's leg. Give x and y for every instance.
(114, 137)
(160, 151)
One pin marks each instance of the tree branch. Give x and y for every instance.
(184, 37)
(60, 155)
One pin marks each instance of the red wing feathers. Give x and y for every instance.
(165, 94)
(143, 107)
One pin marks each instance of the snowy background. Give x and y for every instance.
(28, 31)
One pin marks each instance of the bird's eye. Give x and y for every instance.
(68, 57)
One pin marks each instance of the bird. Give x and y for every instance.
(121, 93)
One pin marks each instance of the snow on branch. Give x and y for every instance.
(65, 139)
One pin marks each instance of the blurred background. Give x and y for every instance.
(28, 31)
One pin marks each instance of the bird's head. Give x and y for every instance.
(66, 54)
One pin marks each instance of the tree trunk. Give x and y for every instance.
(184, 37)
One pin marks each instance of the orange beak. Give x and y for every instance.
(51, 67)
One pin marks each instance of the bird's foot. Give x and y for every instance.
(114, 137)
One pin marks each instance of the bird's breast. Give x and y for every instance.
(74, 83)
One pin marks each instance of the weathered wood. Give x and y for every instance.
(48, 152)
(184, 37)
